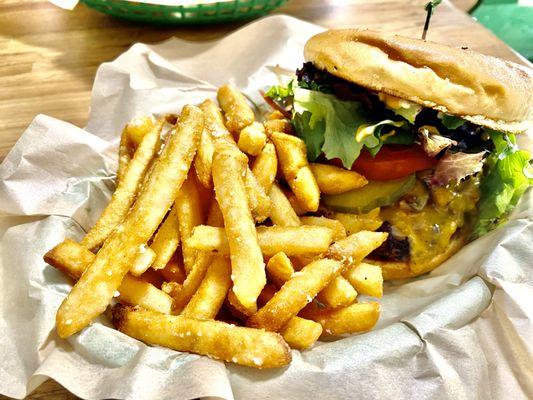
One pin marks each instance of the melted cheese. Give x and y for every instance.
(431, 229)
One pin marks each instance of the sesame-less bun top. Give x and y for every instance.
(484, 90)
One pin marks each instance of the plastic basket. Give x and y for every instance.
(188, 14)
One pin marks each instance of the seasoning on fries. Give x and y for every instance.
(192, 222)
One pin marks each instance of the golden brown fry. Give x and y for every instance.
(166, 239)
(300, 333)
(354, 223)
(202, 262)
(189, 214)
(298, 209)
(265, 167)
(238, 113)
(91, 294)
(358, 317)
(355, 247)
(292, 155)
(248, 268)
(237, 309)
(71, 258)
(131, 137)
(281, 211)
(338, 293)
(210, 296)
(335, 180)
(293, 241)
(143, 261)
(250, 347)
(295, 294)
(252, 139)
(171, 288)
(174, 271)
(279, 269)
(257, 197)
(151, 276)
(338, 229)
(278, 125)
(203, 161)
(124, 195)
(367, 279)
(259, 202)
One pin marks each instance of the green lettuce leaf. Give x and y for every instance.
(312, 136)
(451, 121)
(280, 92)
(508, 177)
(337, 128)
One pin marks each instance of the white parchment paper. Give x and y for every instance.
(462, 332)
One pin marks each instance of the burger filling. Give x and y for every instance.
(432, 176)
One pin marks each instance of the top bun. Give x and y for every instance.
(484, 90)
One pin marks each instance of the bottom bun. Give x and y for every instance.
(401, 270)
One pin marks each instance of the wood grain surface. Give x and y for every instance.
(49, 56)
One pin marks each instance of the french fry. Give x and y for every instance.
(248, 268)
(293, 241)
(292, 155)
(265, 167)
(202, 262)
(295, 294)
(354, 223)
(236, 308)
(252, 139)
(72, 259)
(174, 271)
(250, 347)
(311, 279)
(238, 113)
(298, 209)
(206, 302)
(356, 247)
(203, 161)
(189, 214)
(335, 180)
(279, 269)
(338, 229)
(367, 279)
(358, 317)
(143, 261)
(300, 333)
(273, 115)
(281, 211)
(124, 195)
(278, 125)
(131, 137)
(166, 239)
(171, 288)
(91, 294)
(257, 197)
(338, 293)
(258, 200)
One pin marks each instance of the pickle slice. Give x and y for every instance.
(374, 194)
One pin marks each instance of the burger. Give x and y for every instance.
(432, 128)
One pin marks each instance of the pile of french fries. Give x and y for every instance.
(213, 241)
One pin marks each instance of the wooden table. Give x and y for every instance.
(48, 56)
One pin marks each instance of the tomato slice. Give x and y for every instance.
(393, 162)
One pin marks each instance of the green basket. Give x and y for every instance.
(189, 14)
